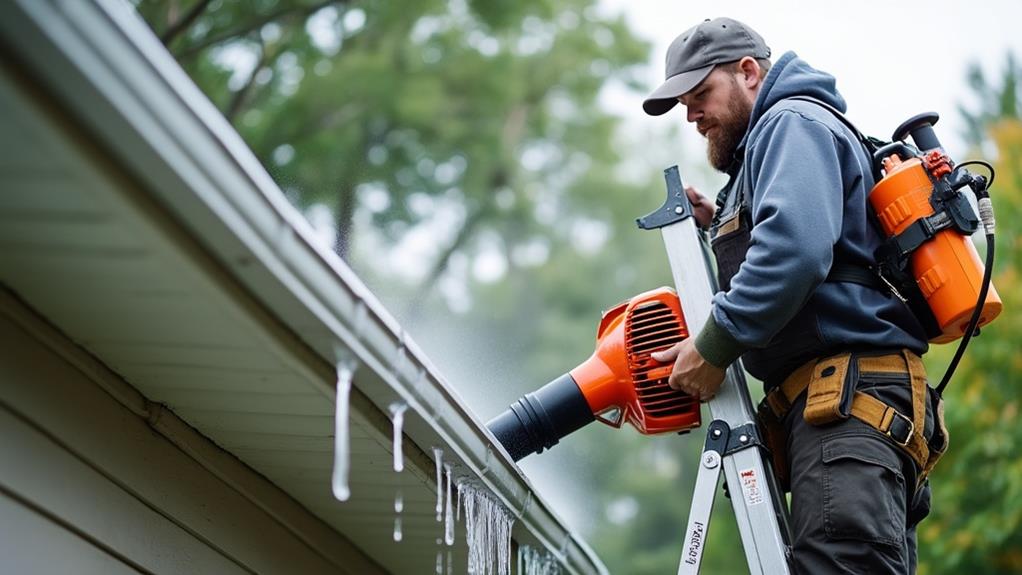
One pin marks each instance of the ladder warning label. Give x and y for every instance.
(751, 488)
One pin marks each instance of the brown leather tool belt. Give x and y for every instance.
(832, 397)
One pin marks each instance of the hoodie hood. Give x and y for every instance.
(792, 76)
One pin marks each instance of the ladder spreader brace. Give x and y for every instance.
(733, 445)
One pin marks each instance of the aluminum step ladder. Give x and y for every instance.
(733, 443)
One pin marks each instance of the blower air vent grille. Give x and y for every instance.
(651, 327)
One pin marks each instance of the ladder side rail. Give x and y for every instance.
(758, 505)
(755, 502)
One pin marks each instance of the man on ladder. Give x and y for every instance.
(791, 236)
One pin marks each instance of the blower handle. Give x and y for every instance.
(540, 419)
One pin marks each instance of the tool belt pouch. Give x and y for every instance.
(771, 429)
(831, 390)
(730, 243)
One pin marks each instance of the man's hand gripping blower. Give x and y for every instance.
(619, 382)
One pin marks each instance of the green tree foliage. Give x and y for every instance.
(485, 108)
(996, 102)
(976, 524)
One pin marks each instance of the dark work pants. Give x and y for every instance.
(854, 502)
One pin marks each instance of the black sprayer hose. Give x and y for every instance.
(975, 317)
(987, 216)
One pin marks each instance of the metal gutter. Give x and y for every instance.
(112, 75)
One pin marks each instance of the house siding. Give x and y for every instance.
(87, 481)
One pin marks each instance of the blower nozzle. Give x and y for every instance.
(540, 419)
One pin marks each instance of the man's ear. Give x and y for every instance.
(749, 70)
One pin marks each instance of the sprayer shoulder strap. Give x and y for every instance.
(856, 274)
(869, 144)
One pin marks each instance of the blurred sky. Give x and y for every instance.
(892, 60)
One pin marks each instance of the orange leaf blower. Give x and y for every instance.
(619, 382)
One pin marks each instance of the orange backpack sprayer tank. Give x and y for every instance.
(929, 260)
(946, 266)
(619, 382)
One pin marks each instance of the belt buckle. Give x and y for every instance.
(908, 435)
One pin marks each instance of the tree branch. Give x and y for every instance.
(467, 230)
(345, 212)
(499, 179)
(238, 100)
(511, 136)
(184, 22)
(253, 25)
(314, 125)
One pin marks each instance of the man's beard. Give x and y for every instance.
(728, 132)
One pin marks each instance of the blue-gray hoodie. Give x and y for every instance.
(807, 177)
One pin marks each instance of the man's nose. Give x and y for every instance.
(693, 114)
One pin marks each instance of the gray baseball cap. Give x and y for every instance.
(694, 53)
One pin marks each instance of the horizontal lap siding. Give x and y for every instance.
(94, 476)
(33, 544)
